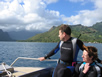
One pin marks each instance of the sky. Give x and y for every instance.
(41, 15)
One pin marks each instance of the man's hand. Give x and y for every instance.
(41, 58)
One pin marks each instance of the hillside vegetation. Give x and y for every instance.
(88, 34)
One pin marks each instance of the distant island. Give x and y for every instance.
(91, 34)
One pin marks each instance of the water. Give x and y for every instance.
(9, 51)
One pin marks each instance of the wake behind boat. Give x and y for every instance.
(10, 71)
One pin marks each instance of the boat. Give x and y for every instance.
(10, 71)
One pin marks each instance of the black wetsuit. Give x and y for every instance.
(94, 70)
(66, 56)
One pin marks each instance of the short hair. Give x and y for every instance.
(66, 29)
(92, 51)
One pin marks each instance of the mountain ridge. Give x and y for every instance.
(88, 34)
(4, 36)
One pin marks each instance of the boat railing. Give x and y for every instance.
(31, 59)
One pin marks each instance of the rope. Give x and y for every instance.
(8, 72)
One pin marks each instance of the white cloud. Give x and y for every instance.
(87, 17)
(76, 0)
(27, 14)
(33, 15)
(50, 1)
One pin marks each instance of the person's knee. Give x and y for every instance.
(60, 72)
(64, 72)
(67, 73)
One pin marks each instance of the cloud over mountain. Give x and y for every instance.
(86, 17)
(27, 14)
(32, 15)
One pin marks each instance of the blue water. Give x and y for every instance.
(9, 51)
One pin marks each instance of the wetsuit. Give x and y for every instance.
(94, 70)
(66, 57)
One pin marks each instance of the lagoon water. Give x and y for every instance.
(9, 51)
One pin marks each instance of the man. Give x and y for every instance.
(88, 68)
(69, 48)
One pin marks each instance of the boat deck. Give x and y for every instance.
(24, 70)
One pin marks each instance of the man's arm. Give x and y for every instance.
(80, 44)
(50, 53)
(99, 61)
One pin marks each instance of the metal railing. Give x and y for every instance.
(31, 59)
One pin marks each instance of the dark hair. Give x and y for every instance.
(66, 29)
(92, 51)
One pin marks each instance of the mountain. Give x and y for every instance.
(4, 36)
(88, 34)
(22, 35)
(49, 36)
(98, 26)
(53, 27)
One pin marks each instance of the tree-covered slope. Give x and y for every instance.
(88, 34)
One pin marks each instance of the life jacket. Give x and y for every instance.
(75, 48)
(97, 68)
(75, 53)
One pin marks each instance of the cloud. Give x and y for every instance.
(87, 17)
(76, 0)
(98, 4)
(33, 15)
(27, 14)
(50, 1)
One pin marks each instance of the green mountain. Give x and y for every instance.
(88, 34)
(49, 36)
